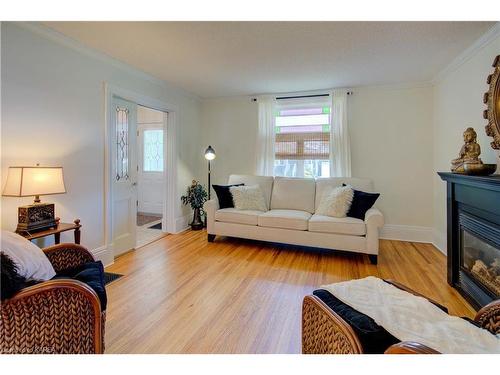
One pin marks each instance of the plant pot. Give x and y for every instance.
(197, 223)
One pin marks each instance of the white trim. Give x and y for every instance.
(170, 158)
(439, 241)
(182, 223)
(170, 150)
(468, 53)
(66, 41)
(393, 86)
(104, 254)
(407, 233)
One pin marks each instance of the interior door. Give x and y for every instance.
(124, 175)
(150, 168)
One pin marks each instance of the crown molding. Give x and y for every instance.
(55, 36)
(394, 86)
(468, 53)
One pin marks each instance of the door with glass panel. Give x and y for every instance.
(123, 175)
(150, 167)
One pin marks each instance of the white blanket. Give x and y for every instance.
(411, 318)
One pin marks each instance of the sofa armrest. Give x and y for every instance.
(374, 217)
(324, 331)
(67, 255)
(210, 207)
(57, 316)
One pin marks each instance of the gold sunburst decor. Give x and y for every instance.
(492, 100)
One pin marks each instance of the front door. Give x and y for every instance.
(150, 168)
(124, 175)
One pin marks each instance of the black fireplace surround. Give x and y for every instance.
(473, 236)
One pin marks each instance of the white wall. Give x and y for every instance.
(391, 143)
(458, 104)
(391, 139)
(53, 113)
(229, 126)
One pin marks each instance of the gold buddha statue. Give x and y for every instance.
(469, 153)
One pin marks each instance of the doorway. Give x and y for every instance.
(150, 174)
(122, 169)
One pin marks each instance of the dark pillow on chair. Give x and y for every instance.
(92, 274)
(373, 337)
(361, 202)
(224, 195)
(11, 282)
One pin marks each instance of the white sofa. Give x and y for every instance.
(291, 218)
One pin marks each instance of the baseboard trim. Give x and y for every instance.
(407, 233)
(182, 223)
(439, 241)
(104, 254)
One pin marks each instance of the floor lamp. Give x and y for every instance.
(209, 155)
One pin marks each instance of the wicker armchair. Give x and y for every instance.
(58, 316)
(325, 332)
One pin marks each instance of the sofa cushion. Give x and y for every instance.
(248, 198)
(224, 196)
(339, 225)
(335, 201)
(265, 183)
(29, 259)
(293, 194)
(322, 184)
(287, 219)
(233, 215)
(361, 202)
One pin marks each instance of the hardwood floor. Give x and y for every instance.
(182, 294)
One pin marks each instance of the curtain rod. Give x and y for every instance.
(302, 96)
(307, 96)
(254, 99)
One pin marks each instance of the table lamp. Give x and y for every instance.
(34, 181)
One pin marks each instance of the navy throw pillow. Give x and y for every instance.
(224, 195)
(92, 274)
(361, 202)
(373, 337)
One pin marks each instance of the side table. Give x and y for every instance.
(56, 231)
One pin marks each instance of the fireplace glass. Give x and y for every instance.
(482, 262)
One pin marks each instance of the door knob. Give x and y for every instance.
(134, 183)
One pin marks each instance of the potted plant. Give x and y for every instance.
(196, 196)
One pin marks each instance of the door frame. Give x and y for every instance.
(170, 156)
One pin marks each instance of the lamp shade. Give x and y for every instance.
(33, 181)
(210, 153)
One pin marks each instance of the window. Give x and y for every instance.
(122, 144)
(153, 150)
(302, 146)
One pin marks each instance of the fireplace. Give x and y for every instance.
(480, 253)
(473, 205)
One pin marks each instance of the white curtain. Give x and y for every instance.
(265, 136)
(340, 147)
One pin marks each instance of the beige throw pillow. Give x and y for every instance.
(30, 260)
(248, 198)
(336, 202)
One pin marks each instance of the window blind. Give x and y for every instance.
(303, 133)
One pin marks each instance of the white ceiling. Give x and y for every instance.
(212, 59)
